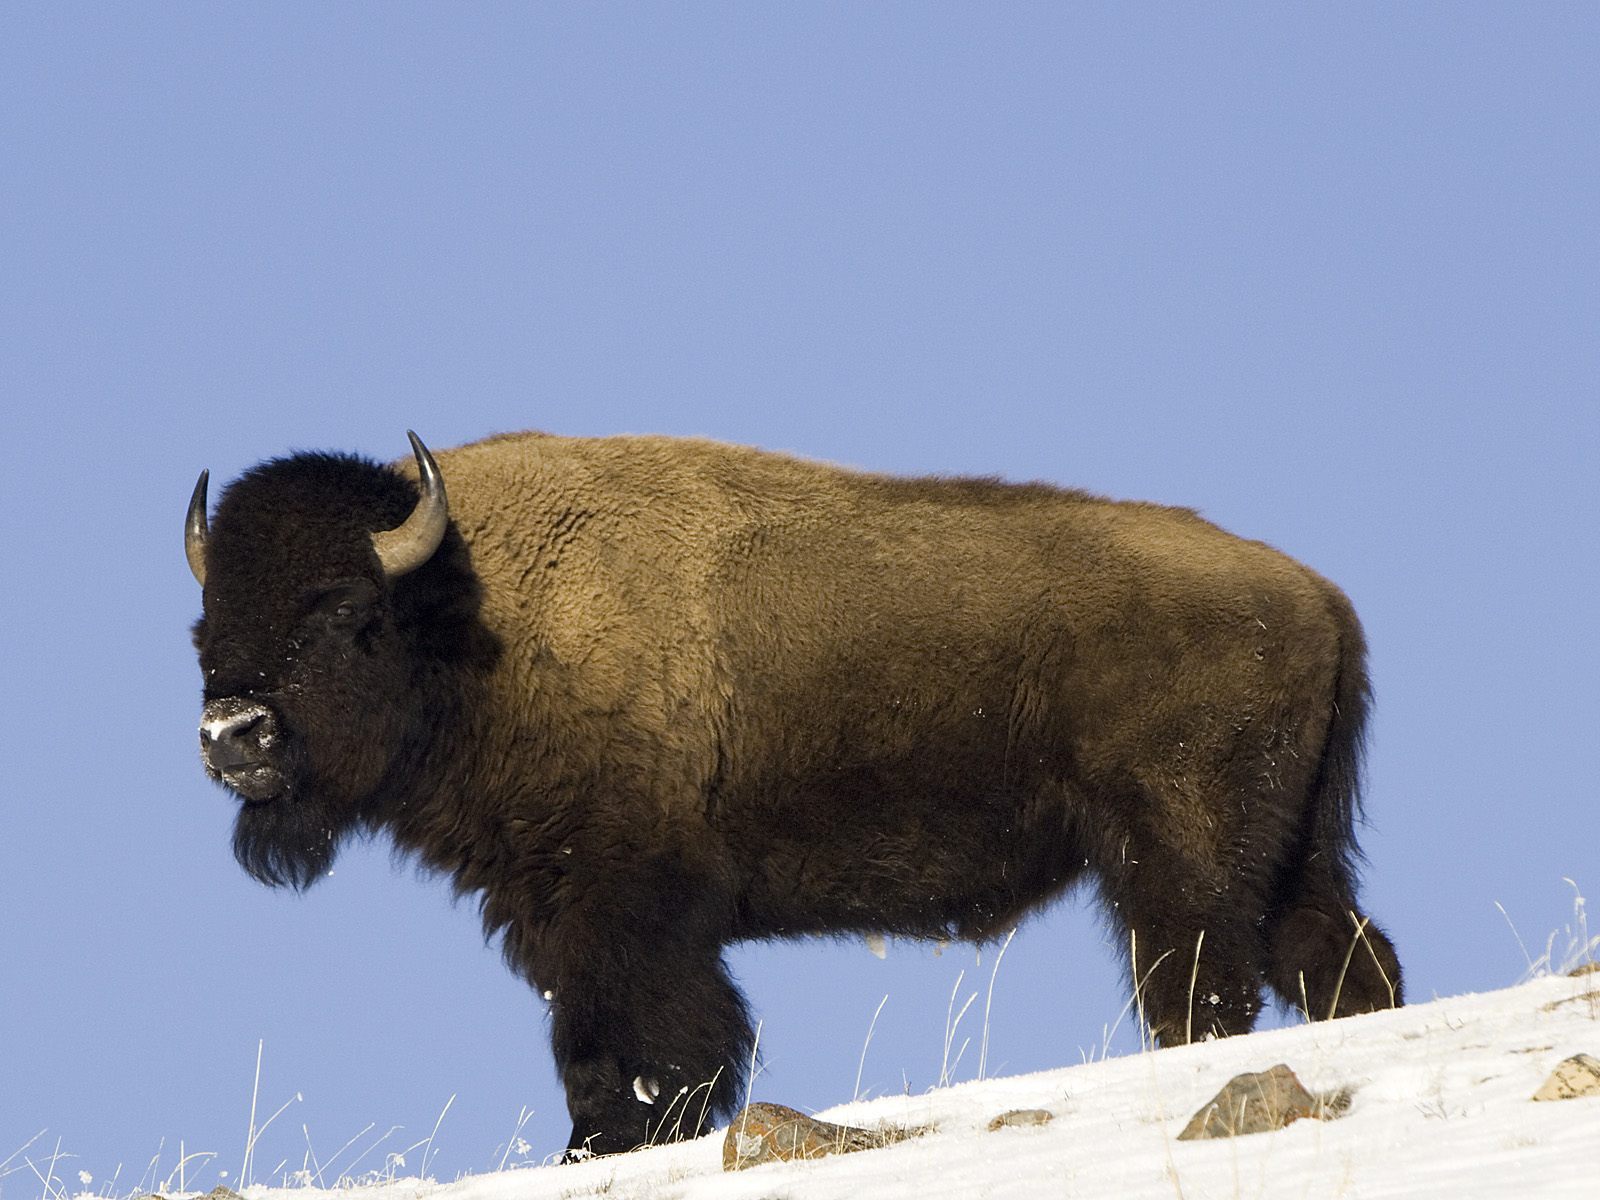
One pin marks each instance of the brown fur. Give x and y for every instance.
(740, 695)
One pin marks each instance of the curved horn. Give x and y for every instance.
(413, 543)
(194, 530)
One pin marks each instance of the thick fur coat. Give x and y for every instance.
(653, 696)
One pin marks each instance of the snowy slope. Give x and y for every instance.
(1441, 1108)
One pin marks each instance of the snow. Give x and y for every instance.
(1442, 1106)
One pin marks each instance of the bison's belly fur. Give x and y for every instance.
(735, 695)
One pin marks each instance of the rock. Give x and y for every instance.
(1021, 1117)
(1572, 1079)
(763, 1133)
(1259, 1102)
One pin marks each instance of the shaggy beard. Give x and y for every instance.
(286, 842)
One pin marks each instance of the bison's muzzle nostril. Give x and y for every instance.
(234, 734)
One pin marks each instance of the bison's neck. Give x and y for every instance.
(468, 791)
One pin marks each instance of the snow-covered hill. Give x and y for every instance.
(1441, 1107)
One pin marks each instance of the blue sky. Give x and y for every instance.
(1330, 274)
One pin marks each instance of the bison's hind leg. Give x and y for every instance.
(1327, 959)
(1194, 978)
(1191, 941)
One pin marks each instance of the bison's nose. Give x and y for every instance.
(235, 734)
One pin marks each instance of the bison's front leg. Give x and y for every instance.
(650, 1035)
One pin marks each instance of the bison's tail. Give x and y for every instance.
(1336, 793)
(1325, 956)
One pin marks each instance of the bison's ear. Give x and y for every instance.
(413, 543)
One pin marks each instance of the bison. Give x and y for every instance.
(645, 697)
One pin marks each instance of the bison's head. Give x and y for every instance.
(323, 612)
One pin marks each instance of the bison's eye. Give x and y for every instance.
(345, 606)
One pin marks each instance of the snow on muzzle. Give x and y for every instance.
(237, 742)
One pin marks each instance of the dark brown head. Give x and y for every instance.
(320, 591)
